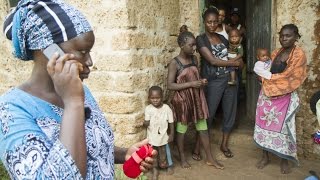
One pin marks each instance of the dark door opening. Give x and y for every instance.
(258, 36)
(255, 16)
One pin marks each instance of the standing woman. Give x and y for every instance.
(278, 101)
(213, 50)
(222, 28)
(45, 132)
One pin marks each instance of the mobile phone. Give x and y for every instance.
(50, 50)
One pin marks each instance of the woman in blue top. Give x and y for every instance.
(45, 131)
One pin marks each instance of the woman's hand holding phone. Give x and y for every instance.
(64, 72)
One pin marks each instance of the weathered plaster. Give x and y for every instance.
(305, 14)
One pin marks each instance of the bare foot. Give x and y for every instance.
(263, 163)
(215, 163)
(170, 170)
(155, 174)
(284, 166)
(185, 165)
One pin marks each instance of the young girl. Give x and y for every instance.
(158, 117)
(235, 51)
(189, 103)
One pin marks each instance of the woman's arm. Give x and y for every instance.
(64, 72)
(172, 85)
(205, 53)
(72, 133)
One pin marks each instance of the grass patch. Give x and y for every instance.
(119, 175)
(3, 172)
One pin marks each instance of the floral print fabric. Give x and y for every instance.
(30, 147)
(275, 129)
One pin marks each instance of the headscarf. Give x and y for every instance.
(36, 24)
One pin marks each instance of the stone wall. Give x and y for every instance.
(135, 40)
(305, 14)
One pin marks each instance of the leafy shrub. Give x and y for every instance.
(3, 173)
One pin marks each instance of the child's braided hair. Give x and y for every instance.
(184, 35)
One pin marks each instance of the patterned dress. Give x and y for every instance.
(189, 105)
(29, 139)
(278, 103)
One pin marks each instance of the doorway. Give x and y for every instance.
(255, 15)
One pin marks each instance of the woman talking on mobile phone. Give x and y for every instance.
(45, 132)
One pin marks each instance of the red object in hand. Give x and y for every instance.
(131, 167)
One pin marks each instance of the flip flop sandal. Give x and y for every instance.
(227, 153)
(196, 157)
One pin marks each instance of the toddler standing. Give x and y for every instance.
(158, 118)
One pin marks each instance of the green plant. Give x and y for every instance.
(142, 177)
(119, 174)
(3, 173)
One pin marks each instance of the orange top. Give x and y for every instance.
(291, 78)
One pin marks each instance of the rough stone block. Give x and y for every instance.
(140, 40)
(113, 63)
(142, 61)
(128, 140)
(131, 39)
(131, 82)
(121, 41)
(124, 63)
(121, 103)
(99, 81)
(128, 123)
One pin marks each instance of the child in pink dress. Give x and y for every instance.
(189, 104)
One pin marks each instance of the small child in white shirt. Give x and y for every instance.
(263, 65)
(158, 119)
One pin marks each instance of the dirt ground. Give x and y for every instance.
(241, 166)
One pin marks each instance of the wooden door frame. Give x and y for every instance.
(273, 39)
(274, 32)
